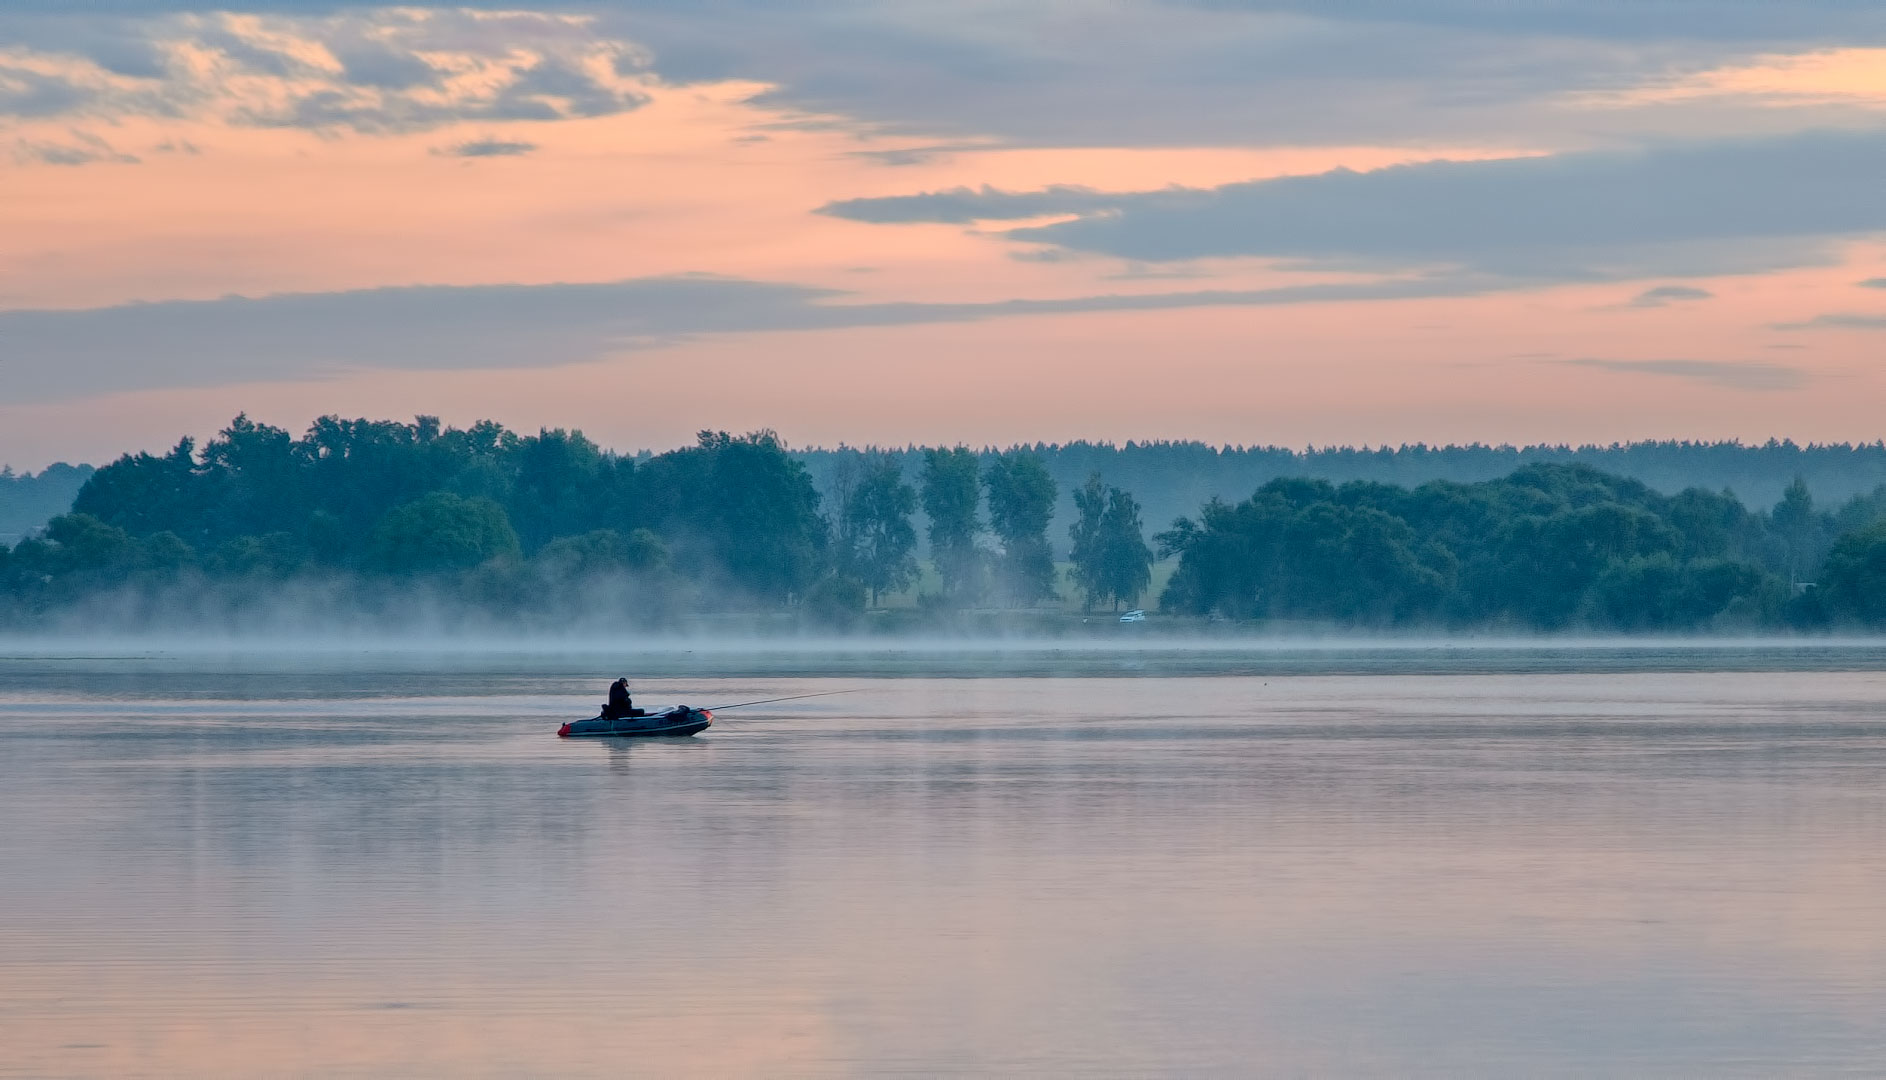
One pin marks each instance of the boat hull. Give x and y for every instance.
(678, 722)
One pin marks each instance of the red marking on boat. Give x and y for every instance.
(707, 715)
(563, 732)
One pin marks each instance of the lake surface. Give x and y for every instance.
(1537, 861)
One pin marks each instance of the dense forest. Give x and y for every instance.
(379, 520)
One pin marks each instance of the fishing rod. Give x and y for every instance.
(770, 700)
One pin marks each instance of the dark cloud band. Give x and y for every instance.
(1685, 209)
(55, 355)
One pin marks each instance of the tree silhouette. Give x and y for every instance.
(1021, 504)
(950, 496)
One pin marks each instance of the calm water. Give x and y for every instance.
(1545, 862)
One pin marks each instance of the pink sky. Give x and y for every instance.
(723, 177)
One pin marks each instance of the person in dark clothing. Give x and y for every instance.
(619, 706)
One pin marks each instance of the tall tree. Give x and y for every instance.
(1090, 509)
(1129, 562)
(560, 489)
(950, 495)
(879, 539)
(1793, 520)
(766, 531)
(1111, 559)
(1021, 503)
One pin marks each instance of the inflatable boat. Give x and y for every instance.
(674, 720)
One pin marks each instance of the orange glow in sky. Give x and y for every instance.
(546, 149)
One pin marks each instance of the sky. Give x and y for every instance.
(940, 221)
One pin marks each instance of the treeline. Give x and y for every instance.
(1550, 547)
(1173, 479)
(385, 518)
(548, 525)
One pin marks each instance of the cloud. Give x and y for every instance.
(1838, 321)
(1077, 73)
(1600, 19)
(1664, 295)
(962, 205)
(31, 95)
(902, 156)
(1202, 72)
(383, 67)
(59, 355)
(370, 70)
(487, 147)
(1873, 283)
(1735, 375)
(1614, 19)
(567, 87)
(1083, 72)
(1675, 210)
(84, 149)
(1842, 76)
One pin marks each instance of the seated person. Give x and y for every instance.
(619, 706)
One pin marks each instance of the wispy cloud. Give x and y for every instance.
(84, 148)
(1847, 76)
(1836, 321)
(487, 147)
(902, 156)
(1873, 283)
(1665, 295)
(963, 205)
(1735, 375)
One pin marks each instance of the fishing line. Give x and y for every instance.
(770, 700)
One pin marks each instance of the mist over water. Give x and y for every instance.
(1104, 649)
(1433, 857)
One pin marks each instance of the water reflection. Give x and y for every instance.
(330, 872)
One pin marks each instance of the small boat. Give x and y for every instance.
(674, 720)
